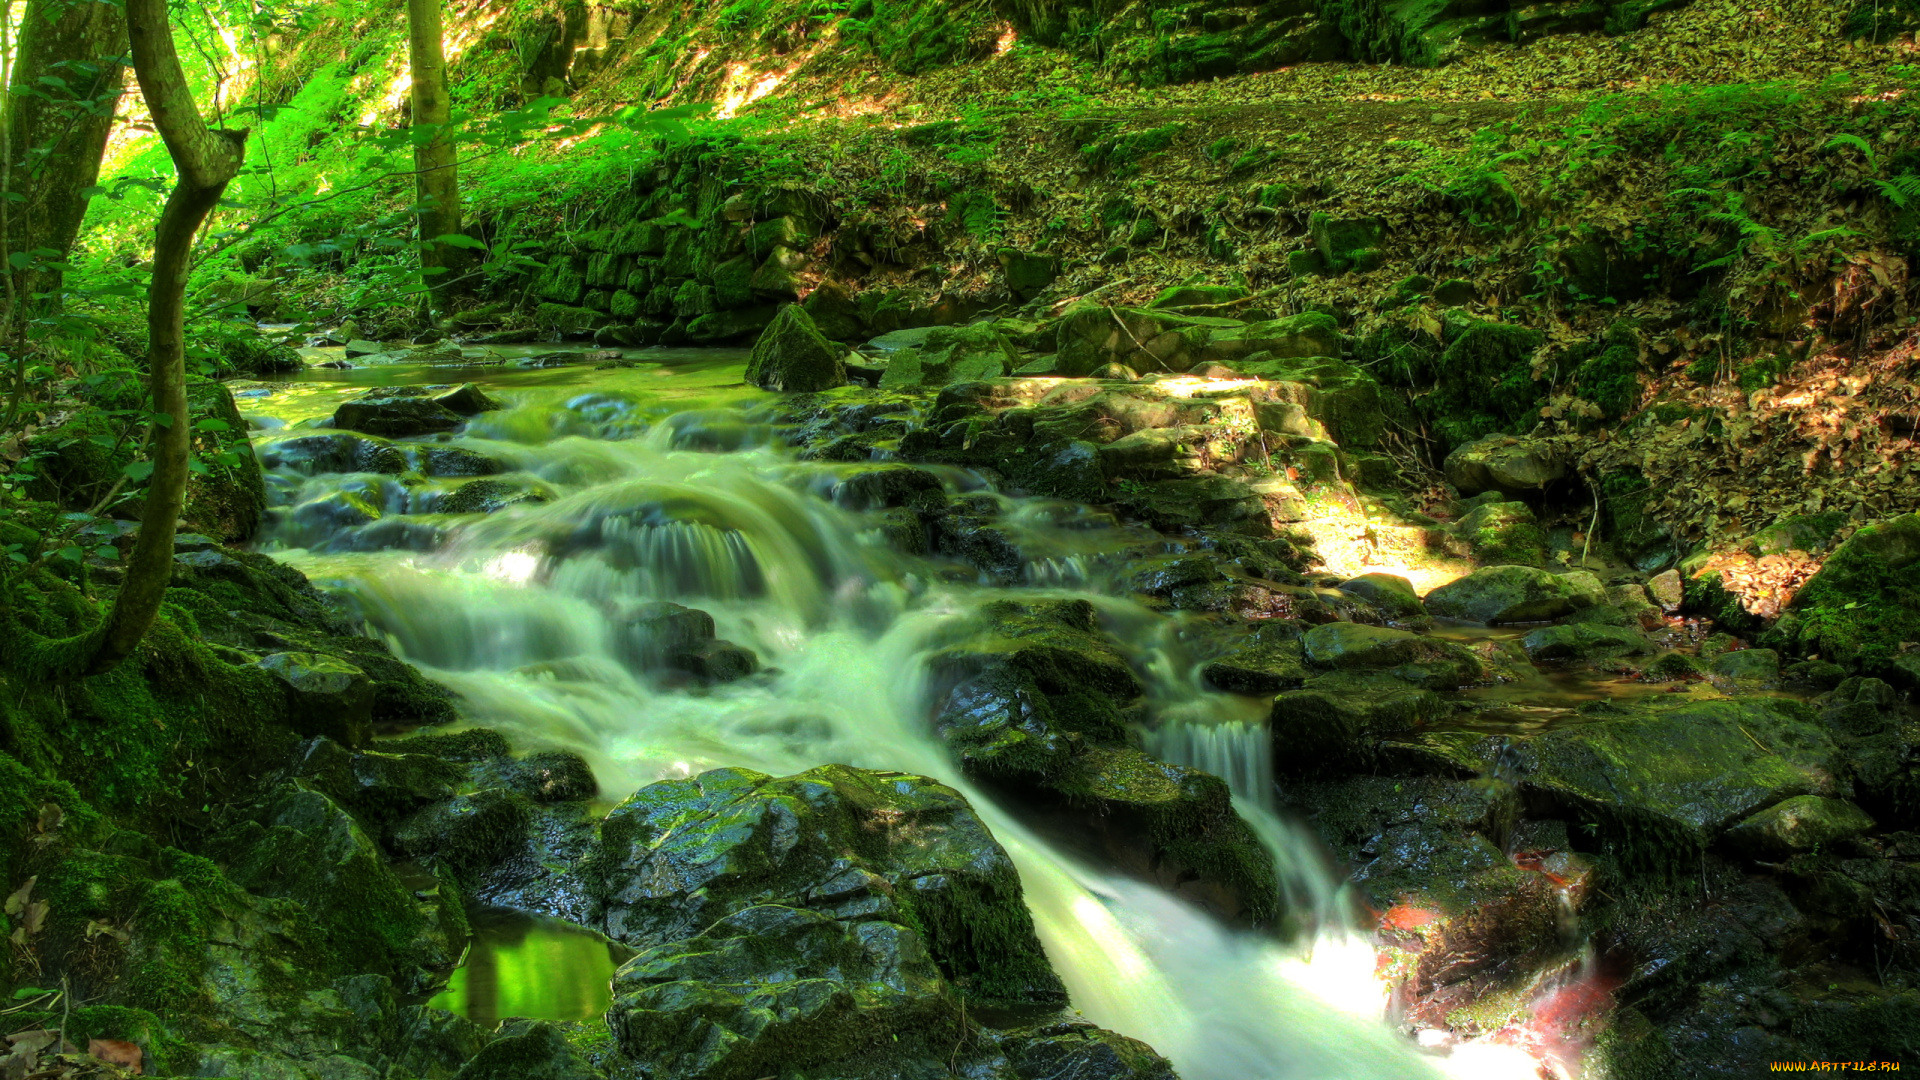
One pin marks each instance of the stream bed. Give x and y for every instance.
(664, 480)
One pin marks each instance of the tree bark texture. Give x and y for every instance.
(56, 135)
(437, 179)
(206, 161)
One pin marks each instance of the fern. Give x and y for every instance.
(1902, 191)
(1854, 141)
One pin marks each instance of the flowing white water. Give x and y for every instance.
(525, 613)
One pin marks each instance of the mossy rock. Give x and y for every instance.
(1337, 722)
(1347, 244)
(1504, 534)
(1665, 781)
(1422, 661)
(792, 356)
(1513, 594)
(1862, 604)
(847, 843)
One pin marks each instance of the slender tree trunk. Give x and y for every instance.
(206, 161)
(437, 180)
(55, 136)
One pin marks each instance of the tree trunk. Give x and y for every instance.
(437, 180)
(54, 138)
(206, 161)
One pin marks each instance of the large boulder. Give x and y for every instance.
(1308, 334)
(1862, 605)
(1665, 781)
(1338, 722)
(1513, 594)
(1391, 594)
(325, 695)
(771, 987)
(868, 849)
(1511, 466)
(302, 846)
(793, 356)
(1503, 533)
(1090, 335)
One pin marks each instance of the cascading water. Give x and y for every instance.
(525, 613)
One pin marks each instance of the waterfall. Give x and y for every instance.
(521, 613)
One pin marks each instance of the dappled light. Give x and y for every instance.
(769, 540)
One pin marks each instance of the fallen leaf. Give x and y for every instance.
(18, 900)
(117, 1052)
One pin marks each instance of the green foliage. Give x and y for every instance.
(1121, 155)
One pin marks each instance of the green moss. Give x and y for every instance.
(1609, 370)
(1864, 602)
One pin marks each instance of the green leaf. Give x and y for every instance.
(72, 553)
(460, 240)
(107, 551)
(212, 424)
(138, 471)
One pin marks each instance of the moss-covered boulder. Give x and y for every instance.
(1511, 466)
(1337, 722)
(792, 356)
(1028, 273)
(1347, 244)
(332, 452)
(847, 844)
(1862, 604)
(1090, 335)
(1504, 534)
(1391, 595)
(1584, 641)
(1310, 333)
(1513, 594)
(326, 696)
(1800, 824)
(770, 987)
(1412, 658)
(1269, 660)
(1665, 781)
(305, 847)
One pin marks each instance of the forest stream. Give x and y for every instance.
(670, 481)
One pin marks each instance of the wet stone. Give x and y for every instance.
(1803, 823)
(396, 412)
(325, 695)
